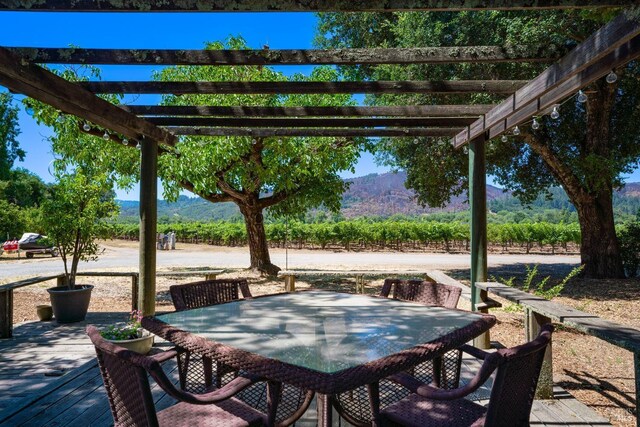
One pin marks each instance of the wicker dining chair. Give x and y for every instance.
(125, 376)
(197, 372)
(354, 405)
(512, 392)
(208, 292)
(422, 291)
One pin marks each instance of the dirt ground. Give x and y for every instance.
(595, 372)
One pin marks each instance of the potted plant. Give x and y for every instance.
(74, 217)
(130, 335)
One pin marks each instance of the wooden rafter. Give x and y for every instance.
(326, 132)
(312, 123)
(426, 55)
(298, 5)
(23, 77)
(178, 88)
(310, 111)
(607, 48)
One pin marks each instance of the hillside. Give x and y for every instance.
(385, 195)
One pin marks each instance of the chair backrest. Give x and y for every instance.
(126, 382)
(516, 380)
(208, 292)
(422, 291)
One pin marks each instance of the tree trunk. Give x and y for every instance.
(258, 247)
(599, 249)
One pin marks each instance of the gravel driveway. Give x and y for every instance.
(123, 255)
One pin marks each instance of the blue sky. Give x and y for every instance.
(161, 30)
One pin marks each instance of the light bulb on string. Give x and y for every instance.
(535, 125)
(416, 141)
(105, 136)
(61, 118)
(125, 141)
(582, 97)
(555, 114)
(86, 127)
(612, 77)
(516, 131)
(504, 138)
(254, 141)
(139, 146)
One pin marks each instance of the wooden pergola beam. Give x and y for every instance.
(310, 111)
(36, 82)
(425, 55)
(597, 47)
(620, 56)
(297, 5)
(226, 88)
(326, 132)
(312, 123)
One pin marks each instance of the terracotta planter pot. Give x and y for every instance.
(45, 312)
(140, 345)
(70, 305)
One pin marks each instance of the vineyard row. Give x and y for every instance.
(364, 235)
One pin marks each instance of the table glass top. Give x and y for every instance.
(324, 331)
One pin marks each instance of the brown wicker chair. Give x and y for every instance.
(208, 292)
(422, 291)
(445, 371)
(126, 382)
(512, 393)
(197, 372)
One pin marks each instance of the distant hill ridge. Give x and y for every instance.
(376, 195)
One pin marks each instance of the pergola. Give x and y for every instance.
(156, 127)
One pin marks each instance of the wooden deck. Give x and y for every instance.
(48, 376)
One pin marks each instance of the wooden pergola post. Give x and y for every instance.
(478, 201)
(148, 227)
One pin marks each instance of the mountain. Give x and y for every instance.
(384, 195)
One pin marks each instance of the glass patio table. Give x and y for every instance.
(327, 342)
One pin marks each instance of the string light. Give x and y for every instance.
(139, 146)
(61, 119)
(416, 141)
(504, 138)
(535, 125)
(516, 131)
(125, 141)
(86, 127)
(555, 114)
(612, 77)
(106, 136)
(582, 97)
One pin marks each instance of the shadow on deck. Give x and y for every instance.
(49, 376)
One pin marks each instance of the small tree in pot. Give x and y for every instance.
(74, 217)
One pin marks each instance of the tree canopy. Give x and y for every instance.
(587, 151)
(285, 175)
(10, 150)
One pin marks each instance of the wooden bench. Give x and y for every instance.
(539, 311)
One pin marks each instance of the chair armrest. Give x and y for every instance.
(229, 390)
(430, 392)
(163, 356)
(474, 351)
